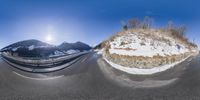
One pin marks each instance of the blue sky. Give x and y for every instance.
(89, 21)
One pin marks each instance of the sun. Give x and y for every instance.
(49, 38)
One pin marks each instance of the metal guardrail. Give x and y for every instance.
(42, 62)
(41, 70)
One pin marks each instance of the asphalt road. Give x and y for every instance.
(91, 78)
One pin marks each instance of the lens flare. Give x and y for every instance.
(49, 38)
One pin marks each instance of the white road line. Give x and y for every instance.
(84, 59)
(48, 78)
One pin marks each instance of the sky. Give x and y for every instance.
(89, 21)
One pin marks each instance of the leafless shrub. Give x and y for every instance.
(182, 30)
(176, 32)
(147, 23)
(124, 25)
(170, 25)
(133, 23)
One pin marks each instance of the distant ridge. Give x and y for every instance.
(36, 48)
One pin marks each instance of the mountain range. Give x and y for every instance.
(36, 48)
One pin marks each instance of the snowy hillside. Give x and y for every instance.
(140, 51)
(139, 44)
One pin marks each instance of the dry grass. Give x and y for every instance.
(128, 49)
(144, 62)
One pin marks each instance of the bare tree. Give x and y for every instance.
(182, 30)
(133, 23)
(170, 25)
(124, 25)
(147, 23)
(193, 41)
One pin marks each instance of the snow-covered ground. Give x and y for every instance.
(31, 47)
(15, 49)
(71, 51)
(134, 44)
(57, 53)
(99, 51)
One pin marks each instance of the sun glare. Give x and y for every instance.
(49, 38)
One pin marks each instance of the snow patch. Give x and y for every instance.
(100, 51)
(15, 49)
(31, 47)
(137, 45)
(56, 54)
(71, 51)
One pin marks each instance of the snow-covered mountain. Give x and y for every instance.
(31, 48)
(27, 43)
(74, 47)
(146, 48)
(36, 48)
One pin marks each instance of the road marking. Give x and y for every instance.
(84, 59)
(48, 78)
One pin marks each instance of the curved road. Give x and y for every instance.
(91, 78)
